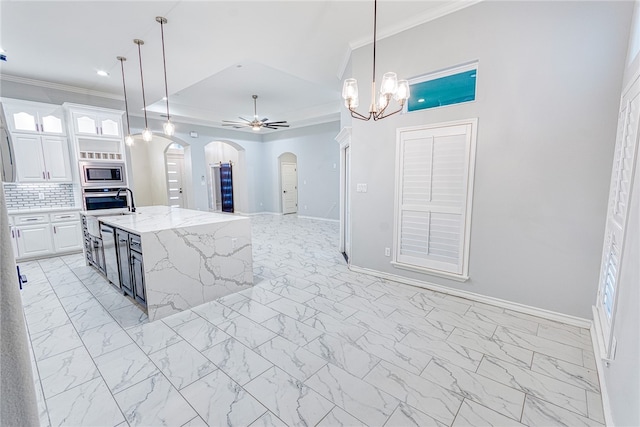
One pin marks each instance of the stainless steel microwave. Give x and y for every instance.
(96, 174)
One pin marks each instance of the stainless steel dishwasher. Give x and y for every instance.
(110, 256)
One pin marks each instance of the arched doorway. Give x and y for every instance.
(288, 163)
(149, 178)
(226, 177)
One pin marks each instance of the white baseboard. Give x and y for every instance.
(521, 308)
(318, 218)
(600, 367)
(261, 213)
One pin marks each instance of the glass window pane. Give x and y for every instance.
(447, 90)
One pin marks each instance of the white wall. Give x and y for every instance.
(140, 178)
(549, 82)
(318, 160)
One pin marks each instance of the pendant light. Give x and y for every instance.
(169, 128)
(390, 88)
(146, 133)
(129, 139)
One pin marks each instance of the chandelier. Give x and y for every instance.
(391, 87)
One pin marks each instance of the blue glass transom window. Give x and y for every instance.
(446, 90)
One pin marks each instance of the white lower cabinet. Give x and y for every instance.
(67, 236)
(34, 240)
(41, 235)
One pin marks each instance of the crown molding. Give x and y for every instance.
(430, 15)
(58, 86)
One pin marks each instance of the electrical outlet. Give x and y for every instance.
(361, 188)
(234, 242)
(41, 196)
(305, 207)
(387, 251)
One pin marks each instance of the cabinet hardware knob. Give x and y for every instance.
(48, 175)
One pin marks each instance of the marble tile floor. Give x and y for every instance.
(311, 344)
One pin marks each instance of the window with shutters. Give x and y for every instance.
(434, 177)
(619, 196)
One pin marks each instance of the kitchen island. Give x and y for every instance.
(190, 257)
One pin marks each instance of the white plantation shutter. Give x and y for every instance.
(619, 195)
(433, 199)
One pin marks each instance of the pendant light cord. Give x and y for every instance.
(164, 63)
(124, 87)
(375, 22)
(144, 102)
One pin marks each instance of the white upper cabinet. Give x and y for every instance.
(55, 151)
(95, 123)
(41, 158)
(29, 158)
(37, 118)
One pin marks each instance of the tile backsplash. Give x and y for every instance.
(27, 196)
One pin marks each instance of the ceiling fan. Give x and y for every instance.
(255, 124)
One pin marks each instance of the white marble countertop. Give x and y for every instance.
(148, 219)
(43, 210)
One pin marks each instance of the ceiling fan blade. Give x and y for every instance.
(264, 120)
(275, 123)
(242, 118)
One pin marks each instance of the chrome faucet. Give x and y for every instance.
(133, 204)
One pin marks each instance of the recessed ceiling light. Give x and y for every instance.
(102, 73)
(421, 100)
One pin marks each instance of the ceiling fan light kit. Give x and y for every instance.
(255, 124)
(390, 87)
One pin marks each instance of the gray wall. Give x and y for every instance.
(318, 159)
(549, 81)
(622, 376)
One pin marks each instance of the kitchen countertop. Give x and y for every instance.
(149, 219)
(42, 210)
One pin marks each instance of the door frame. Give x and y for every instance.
(344, 139)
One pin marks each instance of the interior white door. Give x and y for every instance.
(289, 181)
(214, 182)
(175, 178)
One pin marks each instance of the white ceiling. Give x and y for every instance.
(219, 53)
